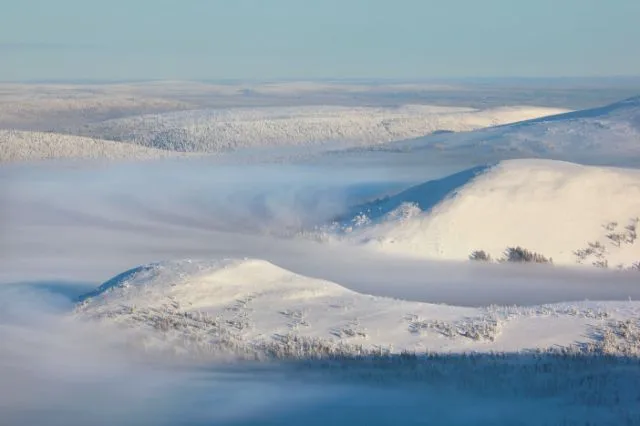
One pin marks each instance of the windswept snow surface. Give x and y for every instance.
(228, 129)
(248, 305)
(609, 135)
(572, 213)
(16, 146)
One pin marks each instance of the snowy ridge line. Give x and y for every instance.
(251, 309)
(604, 135)
(230, 129)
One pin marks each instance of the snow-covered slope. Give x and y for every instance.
(27, 146)
(601, 135)
(225, 129)
(254, 307)
(570, 212)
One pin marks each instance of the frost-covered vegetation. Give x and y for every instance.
(219, 130)
(18, 146)
(512, 254)
(480, 255)
(199, 335)
(478, 329)
(616, 237)
(249, 309)
(522, 255)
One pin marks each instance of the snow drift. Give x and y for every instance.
(608, 135)
(252, 307)
(228, 129)
(572, 213)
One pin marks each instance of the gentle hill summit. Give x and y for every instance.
(572, 213)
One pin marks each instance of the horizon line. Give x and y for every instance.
(337, 80)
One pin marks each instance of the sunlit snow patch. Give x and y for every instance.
(571, 213)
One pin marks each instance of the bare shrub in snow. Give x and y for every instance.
(522, 255)
(486, 328)
(480, 255)
(627, 236)
(595, 252)
(601, 263)
(595, 249)
(616, 238)
(631, 231)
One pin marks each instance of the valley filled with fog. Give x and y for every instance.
(319, 253)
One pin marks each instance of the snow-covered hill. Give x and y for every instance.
(27, 146)
(609, 134)
(227, 129)
(252, 307)
(569, 212)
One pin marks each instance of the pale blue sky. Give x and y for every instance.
(310, 39)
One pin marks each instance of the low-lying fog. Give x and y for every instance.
(65, 228)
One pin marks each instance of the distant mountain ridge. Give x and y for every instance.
(608, 135)
(231, 129)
